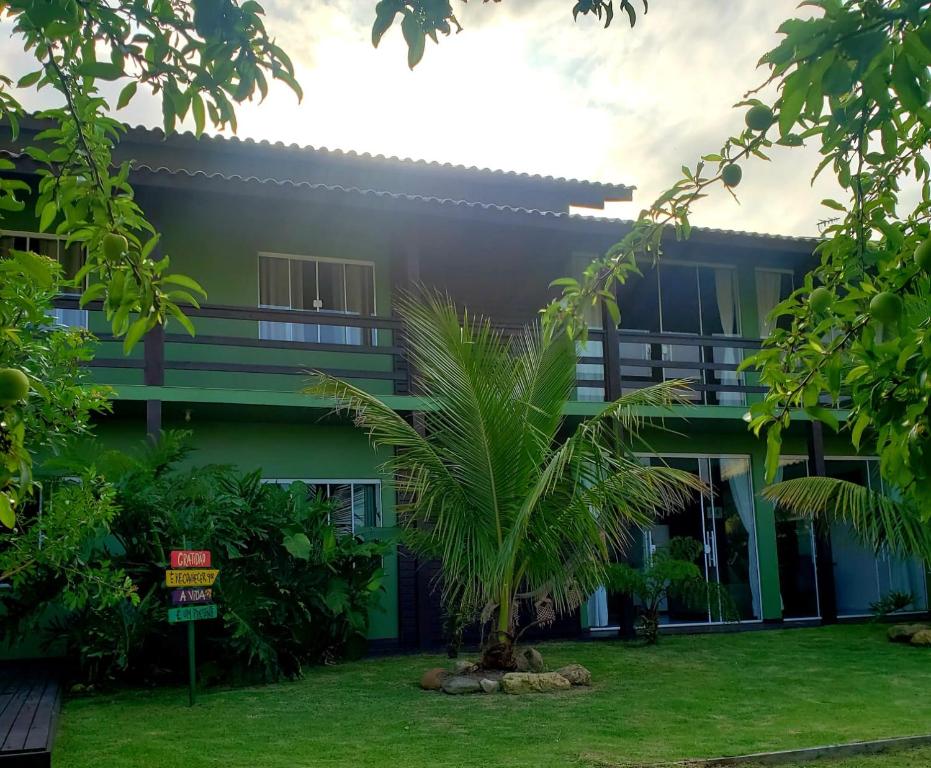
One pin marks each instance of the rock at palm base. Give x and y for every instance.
(530, 682)
(432, 679)
(459, 684)
(529, 660)
(922, 637)
(463, 667)
(490, 686)
(576, 674)
(903, 633)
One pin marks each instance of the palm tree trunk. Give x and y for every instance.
(499, 652)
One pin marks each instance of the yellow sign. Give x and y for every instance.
(194, 577)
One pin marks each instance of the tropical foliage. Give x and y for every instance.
(291, 591)
(421, 19)
(853, 79)
(58, 401)
(671, 574)
(519, 504)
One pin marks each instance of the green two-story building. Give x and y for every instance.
(303, 253)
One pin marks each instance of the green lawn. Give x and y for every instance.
(697, 696)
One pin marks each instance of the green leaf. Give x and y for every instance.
(824, 415)
(100, 70)
(29, 80)
(792, 101)
(185, 282)
(185, 321)
(862, 422)
(197, 109)
(7, 516)
(136, 331)
(385, 13)
(298, 545)
(773, 449)
(49, 211)
(416, 39)
(126, 95)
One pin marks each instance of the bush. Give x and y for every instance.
(290, 592)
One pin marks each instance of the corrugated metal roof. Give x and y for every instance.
(597, 221)
(249, 143)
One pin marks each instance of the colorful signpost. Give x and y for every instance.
(191, 571)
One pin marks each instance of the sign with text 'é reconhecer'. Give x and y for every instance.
(196, 577)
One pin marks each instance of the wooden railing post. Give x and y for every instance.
(153, 375)
(823, 548)
(611, 353)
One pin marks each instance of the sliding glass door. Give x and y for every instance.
(722, 523)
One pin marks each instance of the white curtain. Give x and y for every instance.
(598, 608)
(724, 294)
(737, 472)
(768, 289)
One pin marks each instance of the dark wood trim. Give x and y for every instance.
(611, 352)
(308, 346)
(823, 548)
(154, 357)
(153, 418)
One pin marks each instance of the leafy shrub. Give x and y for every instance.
(891, 602)
(671, 573)
(290, 591)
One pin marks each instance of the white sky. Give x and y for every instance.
(524, 88)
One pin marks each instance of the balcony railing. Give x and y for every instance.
(267, 349)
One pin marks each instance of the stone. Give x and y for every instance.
(489, 686)
(903, 633)
(533, 682)
(459, 684)
(576, 674)
(922, 637)
(463, 667)
(529, 660)
(432, 679)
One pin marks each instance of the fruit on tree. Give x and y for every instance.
(14, 386)
(114, 246)
(886, 307)
(731, 175)
(923, 255)
(820, 300)
(759, 117)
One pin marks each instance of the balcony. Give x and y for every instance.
(272, 350)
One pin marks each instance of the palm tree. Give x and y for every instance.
(515, 501)
(882, 522)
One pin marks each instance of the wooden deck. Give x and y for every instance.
(30, 698)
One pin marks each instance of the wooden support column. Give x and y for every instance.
(612, 356)
(825, 572)
(153, 375)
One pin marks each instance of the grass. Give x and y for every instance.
(690, 696)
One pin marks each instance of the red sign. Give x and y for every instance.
(188, 558)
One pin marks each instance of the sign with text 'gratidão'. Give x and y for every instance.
(190, 558)
(196, 577)
(192, 613)
(191, 596)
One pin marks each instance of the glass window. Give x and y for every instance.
(678, 287)
(345, 288)
(638, 300)
(772, 287)
(356, 504)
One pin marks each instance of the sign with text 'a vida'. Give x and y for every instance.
(190, 558)
(192, 613)
(191, 596)
(196, 577)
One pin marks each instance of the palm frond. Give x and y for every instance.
(880, 522)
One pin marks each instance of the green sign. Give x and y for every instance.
(191, 613)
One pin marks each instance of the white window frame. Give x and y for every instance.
(286, 481)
